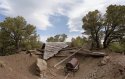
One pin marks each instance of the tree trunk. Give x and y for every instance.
(17, 45)
(97, 41)
(98, 45)
(106, 42)
(92, 45)
(104, 45)
(107, 36)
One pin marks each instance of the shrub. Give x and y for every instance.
(117, 47)
(78, 41)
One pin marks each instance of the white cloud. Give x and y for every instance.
(38, 12)
(44, 38)
(80, 9)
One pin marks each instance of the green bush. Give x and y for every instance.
(78, 41)
(117, 47)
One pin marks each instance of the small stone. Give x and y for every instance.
(105, 60)
(2, 64)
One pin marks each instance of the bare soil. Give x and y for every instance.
(22, 66)
(18, 66)
(90, 69)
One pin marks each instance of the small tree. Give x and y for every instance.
(78, 41)
(57, 38)
(92, 24)
(114, 24)
(16, 34)
(110, 27)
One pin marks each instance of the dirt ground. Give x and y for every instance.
(22, 66)
(18, 66)
(90, 69)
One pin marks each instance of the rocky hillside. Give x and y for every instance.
(22, 66)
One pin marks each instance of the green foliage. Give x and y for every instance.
(114, 22)
(16, 34)
(110, 27)
(78, 41)
(92, 24)
(117, 47)
(57, 38)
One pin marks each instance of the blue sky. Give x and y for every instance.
(53, 17)
(59, 26)
(2, 17)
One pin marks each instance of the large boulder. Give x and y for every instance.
(42, 67)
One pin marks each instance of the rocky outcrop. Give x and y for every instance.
(41, 67)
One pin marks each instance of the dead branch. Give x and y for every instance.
(93, 54)
(67, 76)
(60, 55)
